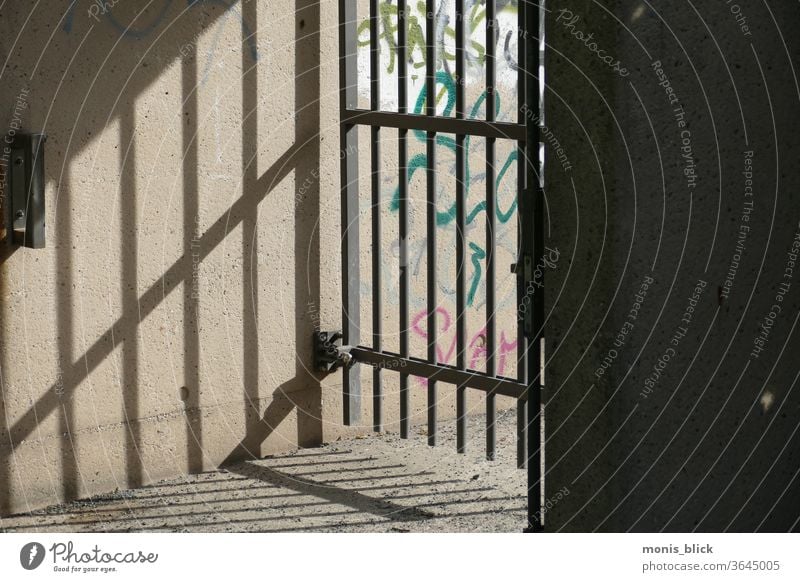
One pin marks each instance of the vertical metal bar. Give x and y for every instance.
(34, 192)
(348, 96)
(461, 239)
(535, 242)
(402, 134)
(522, 431)
(522, 116)
(535, 413)
(12, 173)
(430, 109)
(491, 197)
(377, 307)
(24, 202)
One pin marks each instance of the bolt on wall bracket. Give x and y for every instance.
(329, 354)
(24, 192)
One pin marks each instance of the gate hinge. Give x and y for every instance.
(329, 353)
(24, 204)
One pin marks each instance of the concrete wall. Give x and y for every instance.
(193, 236)
(193, 243)
(663, 421)
(166, 327)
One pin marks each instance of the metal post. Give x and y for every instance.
(402, 135)
(375, 161)
(535, 243)
(491, 224)
(522, 114)
(430, 109)
(461, 239)
(348, 95)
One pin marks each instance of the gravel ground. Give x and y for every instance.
(375, 484)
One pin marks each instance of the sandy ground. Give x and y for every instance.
(375, 484)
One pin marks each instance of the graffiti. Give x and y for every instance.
(107, 11)
(475, 16)
(502, 31)
(417, 249)
(388, 31)
(420, 161)
(476, 346)
(447, 215)
(229, 9)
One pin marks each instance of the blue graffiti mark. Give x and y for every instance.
(248, 35)
(69, 16)
(141, 33)
(126, 31)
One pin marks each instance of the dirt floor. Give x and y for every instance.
(375, 484)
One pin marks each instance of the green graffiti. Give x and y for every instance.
(445, 92)
(415, 35)
(420, 161)
(478, 254)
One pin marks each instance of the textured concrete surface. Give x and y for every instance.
(665, 421)
(136, 345)
(193, 236)
(380, 484)
(192, 184)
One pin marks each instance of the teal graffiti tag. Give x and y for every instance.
(420, 161)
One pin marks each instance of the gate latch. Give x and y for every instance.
(24, 190)
(329, 353)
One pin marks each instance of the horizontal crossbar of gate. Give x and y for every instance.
(435, 123)
(440, 372)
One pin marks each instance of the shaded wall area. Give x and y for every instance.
(672, 390)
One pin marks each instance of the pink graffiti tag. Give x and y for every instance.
(476, 344)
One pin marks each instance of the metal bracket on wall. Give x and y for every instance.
(24, 202)
(329, 354)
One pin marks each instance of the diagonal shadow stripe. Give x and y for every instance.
(347, 497)
(152, 298)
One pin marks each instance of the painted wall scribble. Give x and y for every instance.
(475, 175)
(107, 13)
(476, 345)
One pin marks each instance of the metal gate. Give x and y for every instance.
(348, 347)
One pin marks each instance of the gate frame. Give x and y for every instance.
(528, 385)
